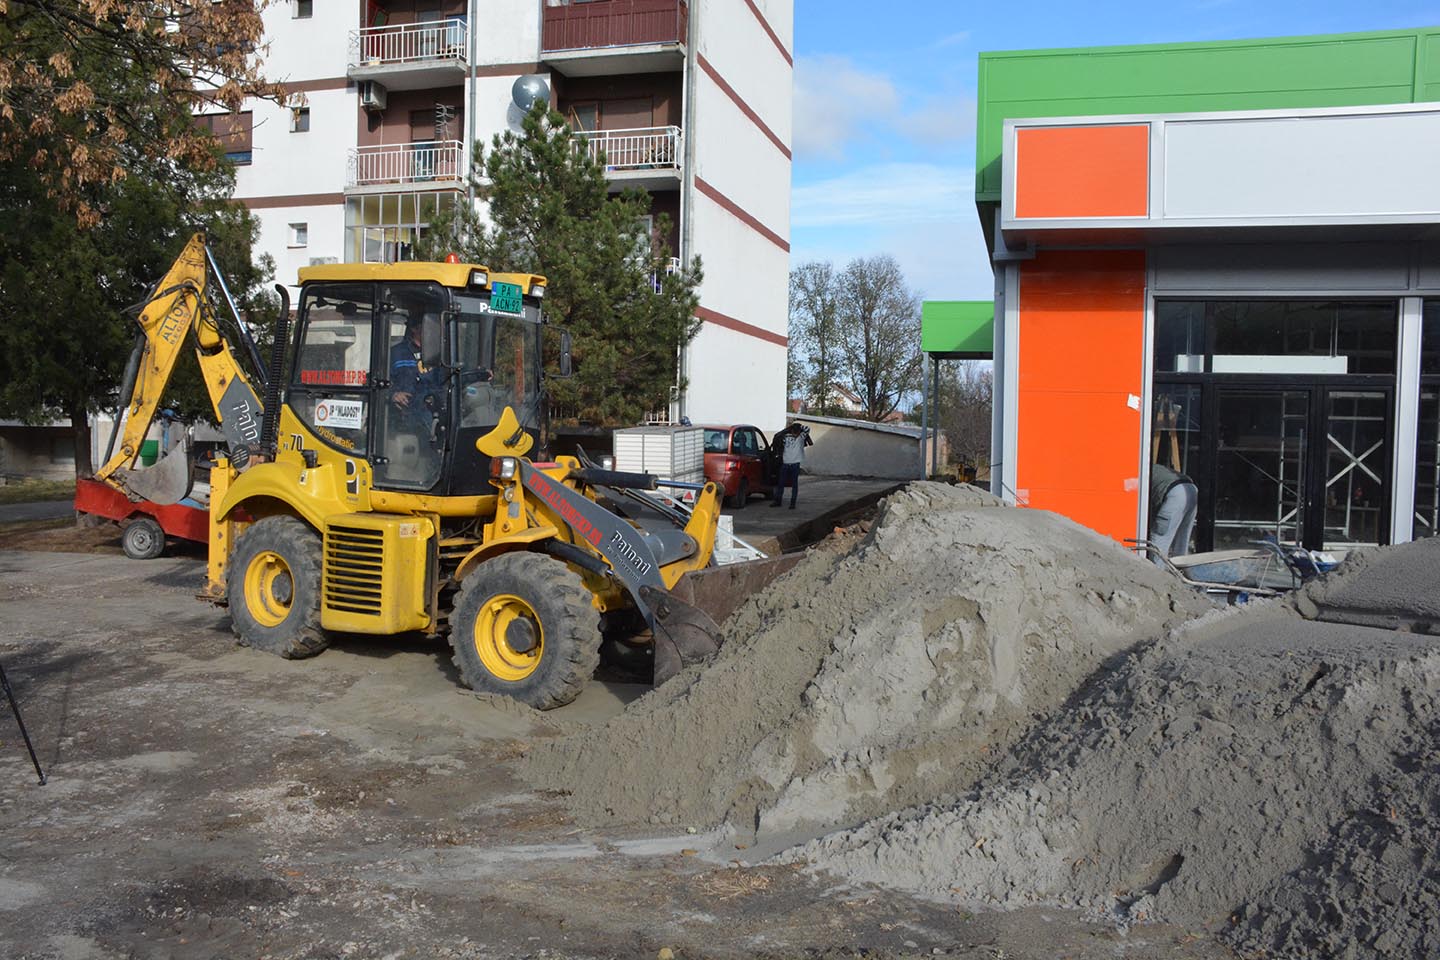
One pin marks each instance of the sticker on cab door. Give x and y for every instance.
(340, 414)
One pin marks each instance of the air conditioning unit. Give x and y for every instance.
(372, 95)
(321, 261)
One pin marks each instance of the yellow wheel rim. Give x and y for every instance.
(503, 618)
(269, 588)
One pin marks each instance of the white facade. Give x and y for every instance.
(718, 71)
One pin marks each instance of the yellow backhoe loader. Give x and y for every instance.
(378, 483)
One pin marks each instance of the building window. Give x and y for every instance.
(304, 9)
(299, 119)
(383, 228)
(234, 131)
(299, 234)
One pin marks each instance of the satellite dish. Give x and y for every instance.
(527, 90)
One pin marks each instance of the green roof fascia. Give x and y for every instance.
(1332, 70)
(958, 329)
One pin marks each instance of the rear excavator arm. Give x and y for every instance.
(176, 307)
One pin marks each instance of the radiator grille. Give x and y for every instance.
(354, 569)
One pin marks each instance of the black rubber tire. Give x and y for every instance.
(142, 539)
(299, 634)
(568, 621)
(742, 495)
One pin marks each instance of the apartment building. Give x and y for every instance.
(689, 100)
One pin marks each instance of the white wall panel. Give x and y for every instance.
(735, 378)
(508, 32)
(315, 48)
(734, 157)
(289, 164)
(327, 237)
(1303, 167)
(736, 45)
(746, 276)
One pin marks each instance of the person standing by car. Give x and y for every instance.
(792, 442)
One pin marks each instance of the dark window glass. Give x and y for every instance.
(1179, 336)
(1430, 339)
(1427, 465)
(1275, 336)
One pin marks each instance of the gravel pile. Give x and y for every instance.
(886, 675)
(1255, 773)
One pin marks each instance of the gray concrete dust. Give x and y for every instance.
(873, 677)
(1254, 774)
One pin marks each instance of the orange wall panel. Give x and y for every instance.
(1099, 171)
(1082, 343)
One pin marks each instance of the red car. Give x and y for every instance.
(738, 458)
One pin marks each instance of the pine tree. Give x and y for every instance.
(546, 209)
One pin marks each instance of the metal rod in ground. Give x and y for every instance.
(5, 682)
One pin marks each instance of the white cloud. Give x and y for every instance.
(939, 119)
(834, 100)
(888, 193)
(942, 260)
(838, 102)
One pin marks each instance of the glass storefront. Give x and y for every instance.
(1281, 412)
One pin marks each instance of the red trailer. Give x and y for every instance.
(146, 524)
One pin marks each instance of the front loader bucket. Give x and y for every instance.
(686, 618)
(684, 634)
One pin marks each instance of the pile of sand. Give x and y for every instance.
(866, 681)
(1254, 773)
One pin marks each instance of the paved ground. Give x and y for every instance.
(40, 510)
(823, 502)
(208, 801)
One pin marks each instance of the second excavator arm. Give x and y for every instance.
(177, 307)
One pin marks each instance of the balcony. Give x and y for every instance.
(606, 37)
(408, 166)
(410, 56)
(649, 157)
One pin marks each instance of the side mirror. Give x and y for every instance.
(432, 341)
(566, 370)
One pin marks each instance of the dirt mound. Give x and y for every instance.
(1390, 587)
(882, 676)
(1254, 772)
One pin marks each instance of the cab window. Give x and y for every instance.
(330, 389)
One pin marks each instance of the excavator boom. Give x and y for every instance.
(177, 307)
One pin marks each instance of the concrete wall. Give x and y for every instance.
(44, 453)
(856, 448)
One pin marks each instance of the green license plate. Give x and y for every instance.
(506, 298)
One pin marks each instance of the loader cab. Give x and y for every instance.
(409, 364)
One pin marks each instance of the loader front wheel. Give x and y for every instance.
(524, 627)
(272, 585)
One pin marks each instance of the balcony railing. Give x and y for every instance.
(612, 23)
(646, 148)
(415, 43)
(406, 163)
(672, 266)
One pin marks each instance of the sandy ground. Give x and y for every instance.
(208, 801)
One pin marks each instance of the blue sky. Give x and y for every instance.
(884, 138)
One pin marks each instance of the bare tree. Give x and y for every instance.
(879, 334)
(967, 389)
(814, 316)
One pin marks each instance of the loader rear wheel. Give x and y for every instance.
(143, 539)
(524, 627)
(273, 588)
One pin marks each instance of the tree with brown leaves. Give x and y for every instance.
(94, 91)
